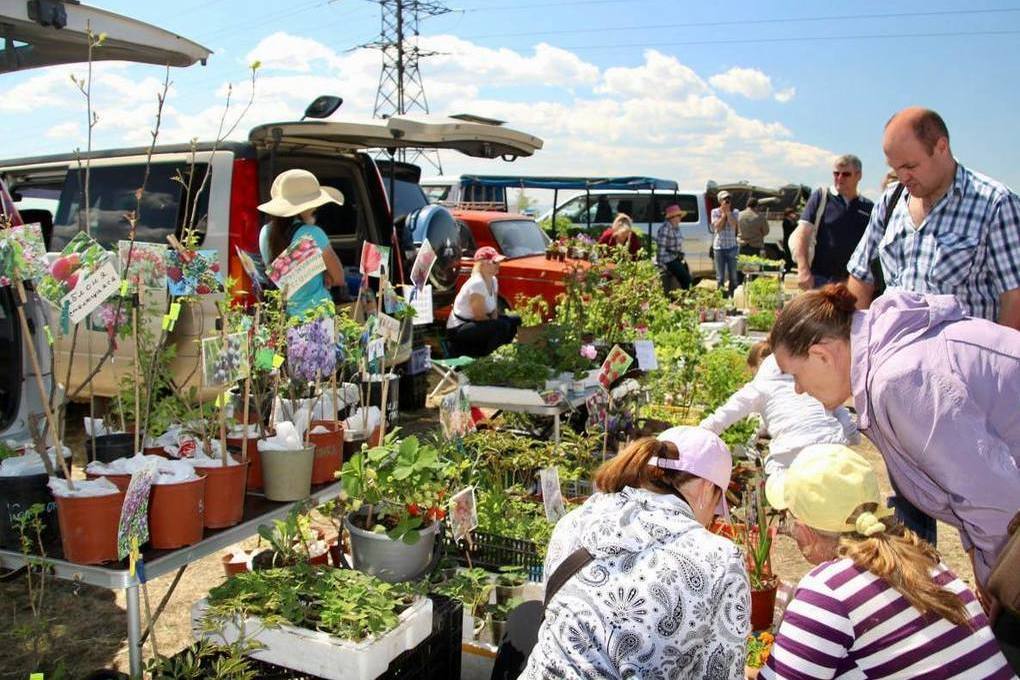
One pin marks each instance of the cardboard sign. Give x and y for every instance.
(375, 260)
(463, 513)
(297, 265)
(22, 249)
(134, 514)
(616, 364)
(423, 263)
(224, 359)
(646, 359)
(552, 496)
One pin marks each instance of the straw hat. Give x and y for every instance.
(295, 191)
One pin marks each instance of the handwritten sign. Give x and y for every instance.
(387, 327)
(92, 290)
(297, 265)
(646, 359)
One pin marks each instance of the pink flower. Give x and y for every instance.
(588, 352)
(641, 330)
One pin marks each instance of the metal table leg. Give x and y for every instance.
(134, 624)
(556, 428)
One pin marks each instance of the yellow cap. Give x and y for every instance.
(824, 487)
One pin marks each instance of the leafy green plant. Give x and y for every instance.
(205, 660)
(511, 576)
(513, 365)
(290, 538)
(471, 586)
(761, 320)
(722, 371)
(532, 310)
(501, 610)
(763, 293)
(560, 230)
(402, 483)
(756, 262)
(7, 451)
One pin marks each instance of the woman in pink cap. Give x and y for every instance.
(645, 589)
(475, 327)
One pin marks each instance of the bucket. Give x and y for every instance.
(176, 514)
(17, 495)
(329, 450)
(255, 462)
(375, 384)
(88, 527)
(389, 560)
(107, 448)
(224, 494)
(287, 475)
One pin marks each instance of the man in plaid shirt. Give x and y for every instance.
(724, 245)
(950, 231)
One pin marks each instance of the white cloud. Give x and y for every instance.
(660, 75)
(67, 131)
(785, 95)
(748, 82)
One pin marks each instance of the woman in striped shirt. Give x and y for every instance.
(880, 603)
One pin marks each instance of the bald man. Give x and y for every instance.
(942, 228)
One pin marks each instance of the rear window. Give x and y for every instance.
(687, 202)
(112, 195)
(437, 193)
(518, 238)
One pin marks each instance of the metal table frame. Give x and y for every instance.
(554, 411)
(119, 578)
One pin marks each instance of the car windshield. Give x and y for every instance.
(518, 238)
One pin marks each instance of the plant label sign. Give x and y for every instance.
(224, 359)
(375, 349)
(92, 290)
(297, 265)
(422, 266)
(387, 327)
(646, 359)
(375, 260)
(248, 265)
(22, 253)
(134, 514)
(195, 272)
(143, 265)
(81, 278)
(616, 364)
(463, 513)
(552, 496)
(421, 301)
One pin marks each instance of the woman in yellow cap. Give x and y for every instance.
(880, 603)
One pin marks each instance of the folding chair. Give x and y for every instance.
(447, 370)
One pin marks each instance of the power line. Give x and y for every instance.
(747, 22)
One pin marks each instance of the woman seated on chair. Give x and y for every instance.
(475, 327)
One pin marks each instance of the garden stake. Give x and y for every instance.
(247, 393)
(34, 358)
(222, 400)
(138, 396)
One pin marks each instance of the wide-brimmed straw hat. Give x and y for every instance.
(295, 191)
(673, 210)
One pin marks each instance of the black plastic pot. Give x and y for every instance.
(17, 495)
(392, 396)
(110, 447)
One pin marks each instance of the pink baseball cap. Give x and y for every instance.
(703, 454)
(488, 253)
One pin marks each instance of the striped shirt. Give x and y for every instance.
(727, 238)
(967, 246)
(845, 622)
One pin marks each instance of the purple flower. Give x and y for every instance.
(588, 352)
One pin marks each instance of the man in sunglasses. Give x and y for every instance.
(836, 232)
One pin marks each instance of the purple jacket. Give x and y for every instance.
(939, 395)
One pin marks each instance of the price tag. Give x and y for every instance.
(49, 335)
(168, 322)
(264, 359)
(124, 288)
(175, 310)
(277, 361)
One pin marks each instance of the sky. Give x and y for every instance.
(765, 92)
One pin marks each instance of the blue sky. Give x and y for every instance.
(762, 91)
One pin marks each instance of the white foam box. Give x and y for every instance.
(320, 654)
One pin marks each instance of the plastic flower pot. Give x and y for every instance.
(287, 475)
(176, 514)
(329, 450)
(88, 527)
(389, 560)
(224, 494)
(155, 451)
(17, 495)
(119, 481)
(107, 448)
(763, 607)
(234, 445)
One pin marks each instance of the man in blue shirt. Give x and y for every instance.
(842, 225)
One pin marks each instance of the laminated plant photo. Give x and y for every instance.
(194, 273)
(80, 279)
(224, 358)
(147, 268)
(297, 265)
(22, 249)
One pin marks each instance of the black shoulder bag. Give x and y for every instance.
(876, 266)
(523, 623)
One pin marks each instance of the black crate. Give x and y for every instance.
(413, 391)
(435, 658)
(490, 552)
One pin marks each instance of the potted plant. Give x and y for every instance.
(510, 583)
(756, 536)
(473, 588)
(396, 492)
(497, 616)
(291, 541)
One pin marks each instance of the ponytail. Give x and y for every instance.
(903, 560)
(812, 317)
(630, 468)
(279, 235)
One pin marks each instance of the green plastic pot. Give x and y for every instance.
(287, 475)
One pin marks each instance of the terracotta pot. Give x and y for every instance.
(119, 481)
(176, 514)
(155, 451)
(224, 494)
(88, 527)
(255, 461)
(374, 439)
(763, 608)
(329, 449)
(232, 568)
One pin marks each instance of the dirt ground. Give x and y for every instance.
(84, 628)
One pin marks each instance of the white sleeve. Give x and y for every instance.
(748, 399)
(853, 436)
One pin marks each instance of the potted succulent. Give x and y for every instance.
(396, 492)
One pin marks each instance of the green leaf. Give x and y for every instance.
(411, 537)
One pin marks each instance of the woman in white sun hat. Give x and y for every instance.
(294, 196)
(880, 603)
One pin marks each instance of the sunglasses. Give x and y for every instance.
(842, 173)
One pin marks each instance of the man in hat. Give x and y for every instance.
(724, 244)
(669, 254)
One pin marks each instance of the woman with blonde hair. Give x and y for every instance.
(654, 594)
(621, 233)
(475, 327)
(880, 603)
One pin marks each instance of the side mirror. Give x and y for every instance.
(324, 106)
